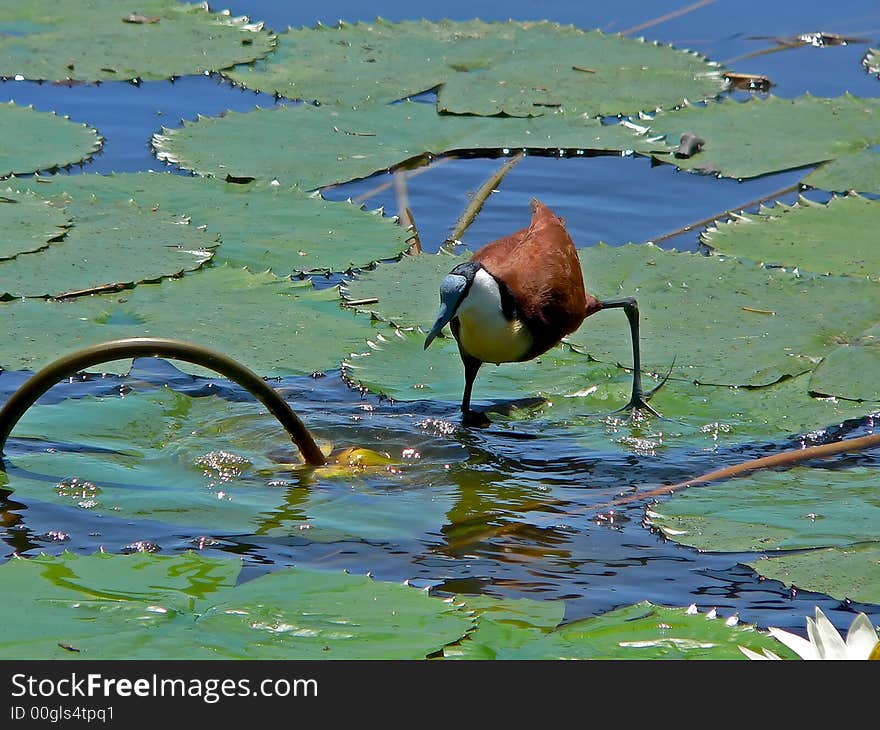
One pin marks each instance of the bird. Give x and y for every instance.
(517, 297)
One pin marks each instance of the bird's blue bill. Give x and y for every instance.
(452, 291)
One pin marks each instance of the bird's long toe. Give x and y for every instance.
(475, 419)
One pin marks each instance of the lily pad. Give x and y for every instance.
(859, 171)
(640, 631)
(274, 326)
(120, 245)
(843, 573)
(504, 623)
(186, 606)
(482, 68)
(834, 238)
(762, 136)
(28, 223)
(766, 322)
(311, 146)
(211, 465)
(851, 370)
(262, 226)
(43, 140)
(103, 41)
(789, 510)
(310, 615)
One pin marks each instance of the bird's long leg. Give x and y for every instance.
(471, 368)
(631, 309)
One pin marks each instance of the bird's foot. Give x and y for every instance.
(639, 400)
(640, 403)
(475, 419)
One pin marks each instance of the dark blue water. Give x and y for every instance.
(593, 564)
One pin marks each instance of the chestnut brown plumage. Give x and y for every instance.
(519, 296)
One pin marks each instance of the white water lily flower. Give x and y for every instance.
(824, 642)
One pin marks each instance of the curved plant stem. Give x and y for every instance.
(64, 367)
(470, 212)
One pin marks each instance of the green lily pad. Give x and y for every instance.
(406, 292)
(262, 226)
(120, 245)
(833, 238)
(309, 615)
(846, 572)
(859, 172)
(640, 631)
(851, 370)
(766, 322)
(43, 140)
(576, 390)
(186, 606)
(482, 68)
(274, 326)
(210, 465)
(788, 510)
(311, 146)
(104, 606)
(763, 136)
(104, 41)
(504, 623)
(28, 223)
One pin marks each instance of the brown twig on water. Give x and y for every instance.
(382, 187)
(359, 302)
(785, 458)
(667, 16)
(401, 195)
(725, 213)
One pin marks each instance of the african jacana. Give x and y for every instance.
(519, 296)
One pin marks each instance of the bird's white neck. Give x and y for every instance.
(485, 332)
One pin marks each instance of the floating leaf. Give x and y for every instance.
(762, 136)
(504, 623)
(184, 607)
(859, 171)
(43, 141)
(207, 464)
(45, 40)
(640, 631)
(405, 293)
(261, 225)
(298, 614)
(843, 573)
(482, 68)
(28, 223)
(836, 238)
(851, 370)
(272, 325)
(120, 245)
(312, 146)
(788, 510)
